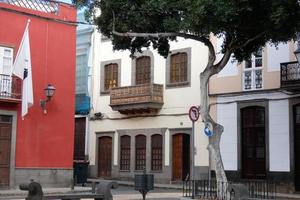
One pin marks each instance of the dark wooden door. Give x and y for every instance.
(79, 139)
(297, 146)
(253, 143)
(180, 157)
(5, 146)
(104, 156)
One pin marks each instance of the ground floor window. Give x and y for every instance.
(156, 152)
(140, 152)
(125, 153)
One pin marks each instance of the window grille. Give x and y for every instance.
(156, 152)
(125, 153)
(140, 152)
(253, 74)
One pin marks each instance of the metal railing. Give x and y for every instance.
(290, 72)
(39, 5)
(209, 190)
(10, 87)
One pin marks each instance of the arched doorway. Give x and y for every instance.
(297, 146)
(180, 156)
(253, 134)
(104, 156)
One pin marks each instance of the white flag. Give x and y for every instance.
(22, 69)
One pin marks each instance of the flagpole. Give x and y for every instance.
(22, 69)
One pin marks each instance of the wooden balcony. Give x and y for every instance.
(290, 77)
(137, 99)
(10, 89)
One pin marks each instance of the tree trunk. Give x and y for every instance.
(217, 129)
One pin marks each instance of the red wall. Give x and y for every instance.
(45, 140)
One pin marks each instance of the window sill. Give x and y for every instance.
(104, 93)
(124, 171)
(179, 84)
(156, 172)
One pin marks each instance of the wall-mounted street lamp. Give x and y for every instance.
(49, 92)
(297, 52)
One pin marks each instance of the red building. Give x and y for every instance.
(40, 146)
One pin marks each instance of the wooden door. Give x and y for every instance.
(253, 143)
(79, 139)
(177, 157)
(104, 156)
(297, 146)
(180, 157)
(5, 146)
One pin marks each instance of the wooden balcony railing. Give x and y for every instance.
(10, 88)
(290, 76)
(137, 99)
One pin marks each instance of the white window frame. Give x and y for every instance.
(6, 81)
(252, 70)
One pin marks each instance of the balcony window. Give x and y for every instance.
(252, 76)
(9, 86)
(110, 72)
(111, 76)
(143, 70)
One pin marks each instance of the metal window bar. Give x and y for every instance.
(39, 5)
(290, 72)
(10, 87)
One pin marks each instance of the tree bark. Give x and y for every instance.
(217, 129)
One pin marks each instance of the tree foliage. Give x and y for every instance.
(245, 25)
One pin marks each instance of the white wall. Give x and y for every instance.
(227, 116)
(231, 68)
(279, 136)
(277, 55)
(279, 144)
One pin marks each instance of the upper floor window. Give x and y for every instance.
(143, 70)
(252, 76)
(178, 68)
(111, 76)
(140, 152)
(6, 60)
(6, 63)
(178, 72)
(156, 152)
(110, 72)
(125, 153)
(81, 74)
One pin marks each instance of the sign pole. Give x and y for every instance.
(194, 116)
(193, 159)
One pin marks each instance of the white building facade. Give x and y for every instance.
(259, 109)
(139, 118)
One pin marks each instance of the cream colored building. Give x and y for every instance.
(139, 118)
(258, 105)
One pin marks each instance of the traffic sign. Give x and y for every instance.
(194, 113)
(208, 132)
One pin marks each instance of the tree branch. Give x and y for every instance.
(222, 63)
(249, 41)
